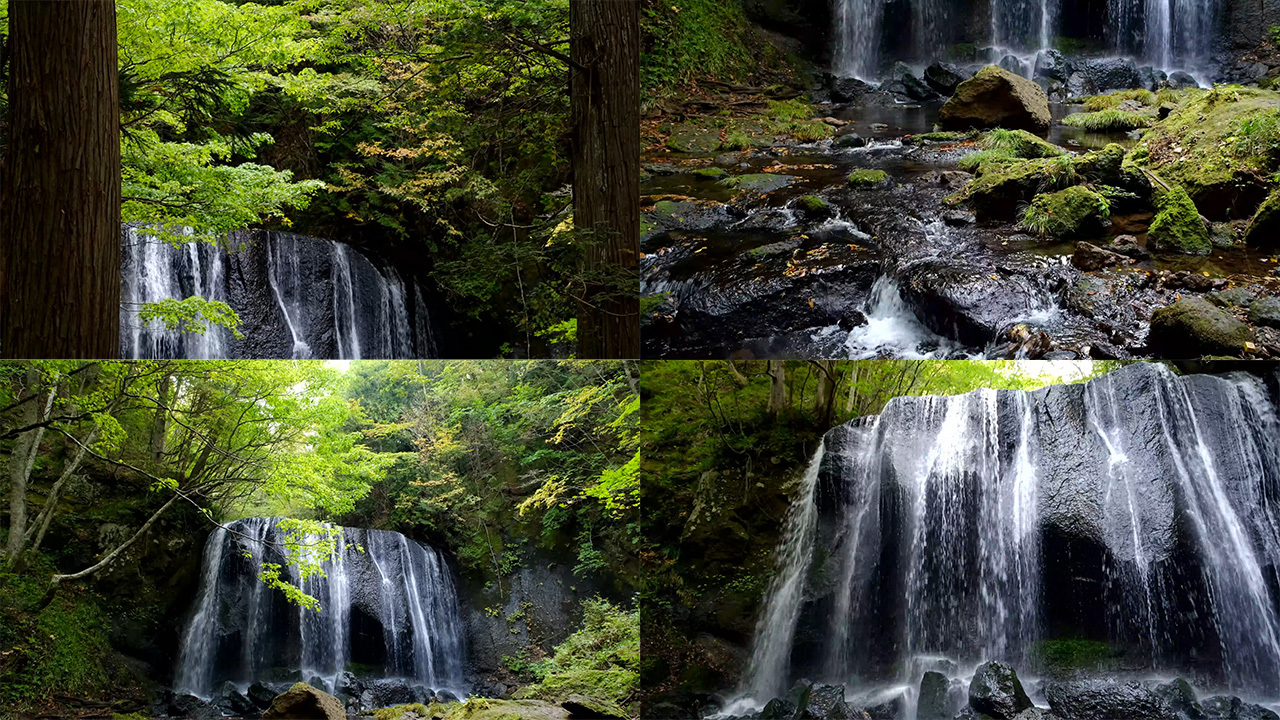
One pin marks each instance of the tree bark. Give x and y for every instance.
(604, 88)
(777, 387)
(60, 200)
(826, 389)
(21, 459)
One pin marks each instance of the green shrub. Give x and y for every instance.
(601, 661)
(810, 131)
(1258, 135)
(737, 140)
(1112, 120)
(974, 162)
(1111, 100)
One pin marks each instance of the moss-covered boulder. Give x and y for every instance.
(1177, 227)
(865, 178)
(1264, 228)
(1003, 188)
(693, 139)
(1020, 144)
(1265, 311)
(995, 97)
(1200, 147)
(814, 207)
(1075, 212)
(758, 182)
(1194, 327)
(711, 173)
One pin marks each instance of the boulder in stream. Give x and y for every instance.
(1193, 327)
(303, 702)
(944, 77)
(996, 691)
(996, 98)
(1089, 257)
(932, 703)
(1264, 228)
(1177, 227)
(1227, 707)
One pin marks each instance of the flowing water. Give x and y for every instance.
(950, 515)
(297, 297)
(386, 602)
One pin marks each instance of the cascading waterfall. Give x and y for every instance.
(1138, 509)
(1168, 34)
(767, 672)
(155, 270)
(297, 297)
(378, 585)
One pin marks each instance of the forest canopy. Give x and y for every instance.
(422, 130)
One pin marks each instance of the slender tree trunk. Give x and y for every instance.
(604, 89)
(160, 427)
(21, 460)
(777, 387)
(826, 389)
(60, 201)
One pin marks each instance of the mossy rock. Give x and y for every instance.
(1195, 148)
(1265, 311)
(1177, 227)
(1106, 166)
(943, 136)
(1194, 327)
(1264, 228)
(1076, 212)
(865, 178)
(814, 206)
(1112, 120)
(711, 173)
(693, 139)
(1000, 190)
(673, 210)
(758, 182)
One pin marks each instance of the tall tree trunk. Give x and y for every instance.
(777, 387)
(826, 389)
(60, 201)
(21, 459)
(160, 426)
(604, 89)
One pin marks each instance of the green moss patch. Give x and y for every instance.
(865, 178)
(1019, 143)
(712, 173)
(1114, 120)
(693, 139)
(1264, 228)
(1074, 212)
(1107, 101)
(1177, 227)
(810, 130)
(1068, 657)
(758, 182)
(1002, 188)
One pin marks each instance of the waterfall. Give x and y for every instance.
(387, 604)
(767, 671)
(297, 297)
(155, 270)
(1138, 509)
(858, 38)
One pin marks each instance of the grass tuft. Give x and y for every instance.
(1108, 120)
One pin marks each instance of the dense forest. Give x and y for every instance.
(724, 444)
(438, 138)
(522, 475)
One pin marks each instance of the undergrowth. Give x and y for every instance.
(601, 661)
(1108, 120)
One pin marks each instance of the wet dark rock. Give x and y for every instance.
(1093, 699)
(958, 218)
(963, 302)
(951, 179)
(822, 699)
(230, 698)
(1264, 227)
(996, 691)
(1152, 79)
(261, 695)
(893, 707)
(777, 709)
(1181, 697)
(932, 703)
(913, 87)
(1051, 65)
(1128, 246)
(944, 77)
(1090, 257)
(850, 140)
(182, 705)
(1234, 297)
(1265, 312)
(758, 182)
(968, 713)
(392, 691)
(1193, 327)
(1113, 73)
(662, 169)
(688, 215)
(1180, 80)
(996, 98)
(847, 90)
(1015, 65)
(693, 139)
(1225, 707)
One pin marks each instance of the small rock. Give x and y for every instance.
(1128, 246)
(958, 218)
(850, 140)
(1089, 257)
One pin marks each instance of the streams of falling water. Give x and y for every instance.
(244, 632)
(941, 502)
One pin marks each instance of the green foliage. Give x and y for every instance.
(601, 661)
(398, 712)
(736, 140)
(810, 131)
(1112, 120)
(1258, 135)
(700, 38)
(789, 110)
(1019, 143)
(1107, 101)
(194, 314)
(1177, 227)
(1066, 657)
(976, 162)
